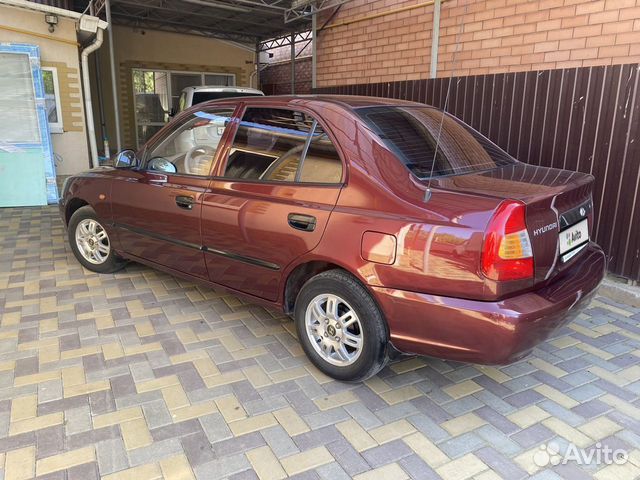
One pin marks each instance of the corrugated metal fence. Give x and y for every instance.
(585, 119)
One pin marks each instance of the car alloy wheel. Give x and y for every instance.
(92, 241)
(334, 329)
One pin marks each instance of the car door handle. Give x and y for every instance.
(298, 221)
(184, 201)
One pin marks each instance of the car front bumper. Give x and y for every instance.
(62, 209)
(490, 332)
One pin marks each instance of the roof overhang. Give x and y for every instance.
(243, 21)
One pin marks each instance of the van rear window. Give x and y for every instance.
(431, 144)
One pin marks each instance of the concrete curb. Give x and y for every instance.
(620, 292)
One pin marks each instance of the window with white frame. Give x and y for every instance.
(52, 99)
(157, 95)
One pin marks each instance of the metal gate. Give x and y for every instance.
(585, 119)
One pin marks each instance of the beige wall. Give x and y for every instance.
(60, 51)
(162, 51)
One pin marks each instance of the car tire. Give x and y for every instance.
(90, 242)
(340, 327)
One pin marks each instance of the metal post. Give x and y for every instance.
(114, 85)
(314, 41)
(293, 64)
(103, 125)
(257, 66)
(435, 39)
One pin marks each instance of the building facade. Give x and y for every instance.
(152, 69)
(61, 72)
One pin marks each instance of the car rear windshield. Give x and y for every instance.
(199, 97)
(432, 144)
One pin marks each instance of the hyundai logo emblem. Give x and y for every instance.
(583, 212)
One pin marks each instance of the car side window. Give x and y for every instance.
(280, 145)
(191, 148)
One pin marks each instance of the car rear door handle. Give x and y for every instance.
(299, 221)
(184, 201)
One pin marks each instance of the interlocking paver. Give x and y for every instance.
(387, 453)
(348, 457)
(111, 456)
(266, 464)
(279, 441)
(142, 375)
(222, 467)
(332, 471)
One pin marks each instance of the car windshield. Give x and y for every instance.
(199, 97)
(412, 133)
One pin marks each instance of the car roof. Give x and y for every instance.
(208, 88)
(346, 101)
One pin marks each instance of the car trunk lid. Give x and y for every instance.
(558, 208)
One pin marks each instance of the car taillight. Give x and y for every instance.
(506, 252)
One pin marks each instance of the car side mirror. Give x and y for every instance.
(126, 159)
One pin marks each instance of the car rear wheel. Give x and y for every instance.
(91, 244)
(340, 327)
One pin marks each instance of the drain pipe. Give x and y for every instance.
(88, 106)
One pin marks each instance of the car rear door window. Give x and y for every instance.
(432, 143)
(190, 149)
(280, 145)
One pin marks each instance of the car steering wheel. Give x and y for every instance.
(192, 165)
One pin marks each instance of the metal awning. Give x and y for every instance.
(245, 21)
(261, 24)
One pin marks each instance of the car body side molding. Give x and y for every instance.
(203, 248)
(241, 258)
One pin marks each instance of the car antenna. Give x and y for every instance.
(427, 192)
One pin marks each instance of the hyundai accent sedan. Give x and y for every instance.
(380, 226)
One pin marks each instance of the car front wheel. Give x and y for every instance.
(91, 244)
(340, 327)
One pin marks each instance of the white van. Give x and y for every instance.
(194, 95)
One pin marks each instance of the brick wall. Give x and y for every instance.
(276, 79)
(283, 54)
(491, 36)
(387, 48)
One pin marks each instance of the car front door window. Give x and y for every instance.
(190, 149)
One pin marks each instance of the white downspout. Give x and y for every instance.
(88, 106)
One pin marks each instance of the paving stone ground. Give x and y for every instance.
(139, 375)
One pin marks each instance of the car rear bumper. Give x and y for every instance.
(490, 332)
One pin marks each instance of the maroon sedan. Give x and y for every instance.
(378, 225)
